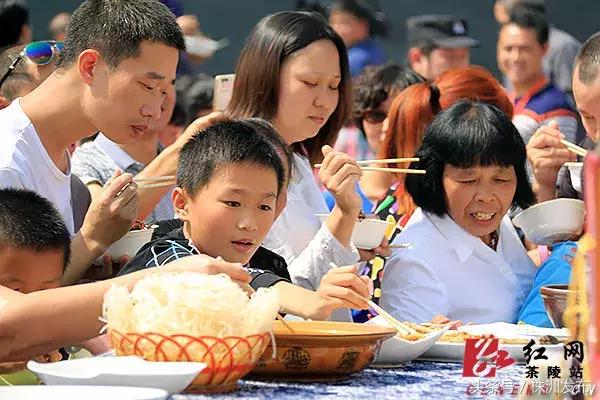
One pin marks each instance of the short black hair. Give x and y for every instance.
(379, 25)
(11, 87)
(465, 135)
(29, 221)
(373, 86)
(244, 140)
(116, 28)
(14, 14)
(588, 60)
(524, 18)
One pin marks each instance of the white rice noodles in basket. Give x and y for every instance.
(189, 303)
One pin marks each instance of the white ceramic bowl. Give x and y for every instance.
(552, 221)
(396, 350)
(368, 233)
(129, 244)
(173, 377)
(575, 169)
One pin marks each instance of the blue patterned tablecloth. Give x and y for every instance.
(414, 380)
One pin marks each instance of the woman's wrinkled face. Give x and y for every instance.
(308, 90)
(478, 197)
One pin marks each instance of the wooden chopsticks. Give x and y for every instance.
(155, 182)
(402, 328)
(364, 165)
(573, 148)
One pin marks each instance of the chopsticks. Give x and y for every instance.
(402, 328)
(573, 148)
(380, 161)
(160, 181)
(408, 245)
(364, 165)
(396, 170)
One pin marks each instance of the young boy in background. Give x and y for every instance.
(34, 251)
(229, 178)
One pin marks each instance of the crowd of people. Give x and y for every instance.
(105, 101)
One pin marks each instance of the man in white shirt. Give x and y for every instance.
(119, 60)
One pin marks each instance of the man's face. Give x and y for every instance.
(587, 98)
(123, 102)
(440, 60)
(520, 54)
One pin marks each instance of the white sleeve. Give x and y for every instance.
(307, 268)
(411, 290)
(11, 178)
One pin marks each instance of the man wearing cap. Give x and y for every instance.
(437, 43)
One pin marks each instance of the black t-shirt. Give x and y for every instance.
(265, 267)
(566, 190)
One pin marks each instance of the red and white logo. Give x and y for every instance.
(483, 358)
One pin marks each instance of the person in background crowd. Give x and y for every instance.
(437, 43)
(522, 43)
(58, 26)
(176, 126)
(14, 23)
(374, 90)
(197, 95)
(559, 60)
(545, 151)
(359, 23)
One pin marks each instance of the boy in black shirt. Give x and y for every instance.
(230, 177)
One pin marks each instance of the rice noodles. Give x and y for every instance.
(189, 303)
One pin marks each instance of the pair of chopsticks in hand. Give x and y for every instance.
(387, 169)
(401, 327)
(155, 182)
(573, 148)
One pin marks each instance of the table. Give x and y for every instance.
(415, 380)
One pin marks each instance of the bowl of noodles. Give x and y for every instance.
(192, 317)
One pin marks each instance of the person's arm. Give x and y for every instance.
(166, 164)
(340, 288)
(40, 322)
(108, 219)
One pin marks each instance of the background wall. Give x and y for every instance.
(235, 18)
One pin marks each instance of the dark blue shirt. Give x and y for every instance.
(363, 54)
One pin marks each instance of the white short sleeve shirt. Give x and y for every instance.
(453, 273)
(25, 163)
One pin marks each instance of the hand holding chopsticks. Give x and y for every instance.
(399, 326)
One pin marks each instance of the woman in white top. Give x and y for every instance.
(293, 71)
(467, 262)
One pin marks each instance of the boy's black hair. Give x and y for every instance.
(29, 221)
(524, 18)
(465, 135)
(116, 28)
(249, 140)
(14, 14)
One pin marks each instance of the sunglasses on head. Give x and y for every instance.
(374, 116)
(40, 53)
